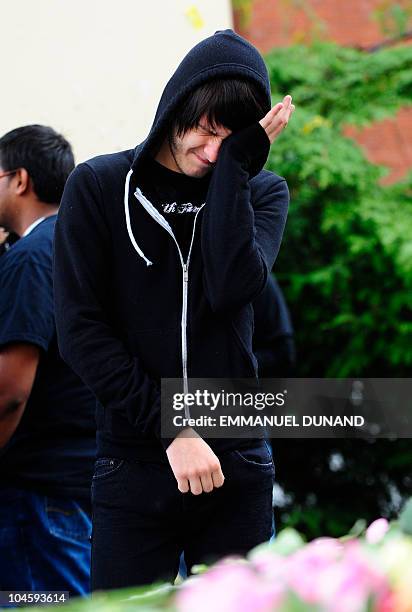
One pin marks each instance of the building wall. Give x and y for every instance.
(95, 69)
(351, 22)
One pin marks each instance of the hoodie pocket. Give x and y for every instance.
(159, 351)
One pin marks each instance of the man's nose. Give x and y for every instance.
(211, 150)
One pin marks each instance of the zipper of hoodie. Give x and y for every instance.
(185, 278)
(184, 329)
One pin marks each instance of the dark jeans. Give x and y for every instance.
(44, 543)
(142, 523)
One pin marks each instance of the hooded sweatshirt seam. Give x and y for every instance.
(96, 178)
(101, 205)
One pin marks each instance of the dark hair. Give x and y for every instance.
(232, 103)
(45, 154)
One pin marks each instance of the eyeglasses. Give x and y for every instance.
(8, 173)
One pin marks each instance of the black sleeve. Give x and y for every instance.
(241, 238)
(87, 340)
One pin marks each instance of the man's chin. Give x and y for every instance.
(200, 172)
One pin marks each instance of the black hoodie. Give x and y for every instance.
(129, 309)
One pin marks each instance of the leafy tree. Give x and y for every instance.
(346, 258)
(346, 268)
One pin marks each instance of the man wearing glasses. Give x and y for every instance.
(47, 428)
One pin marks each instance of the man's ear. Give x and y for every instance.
(23, 181)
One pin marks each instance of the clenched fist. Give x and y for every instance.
(194, 464)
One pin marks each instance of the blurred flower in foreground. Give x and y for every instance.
(376, 531)
(395, 558)
(232, 584)
(326, 575)
(351, 574)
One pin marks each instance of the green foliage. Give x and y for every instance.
(346, 258)
(332, 487)
(342, 84)
(405, 519)
(151, 598)
(286, 542)
(393, 18)
(346, 267)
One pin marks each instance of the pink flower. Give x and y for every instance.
(376, 531)
(307, 568)
(356, 580)
(270, 565)
(229, 586)
(336, 576)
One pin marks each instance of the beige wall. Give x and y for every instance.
(95, 69)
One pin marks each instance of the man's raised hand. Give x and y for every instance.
(277, 118)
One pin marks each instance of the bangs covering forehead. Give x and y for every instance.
(231, 103)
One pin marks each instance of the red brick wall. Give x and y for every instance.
(388, 143)
(275, 23)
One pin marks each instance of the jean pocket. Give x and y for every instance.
(106, 466)
(256, 456)
(66, 518)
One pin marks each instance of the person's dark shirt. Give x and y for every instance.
(175, 195)
(53, 448)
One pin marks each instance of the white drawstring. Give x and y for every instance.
(129, 227)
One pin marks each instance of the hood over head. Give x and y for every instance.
(225, 54)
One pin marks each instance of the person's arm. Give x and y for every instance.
(26, 328)
(18, 366)
(241, 238)
(86, 337)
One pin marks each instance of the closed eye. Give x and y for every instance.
(207, 130)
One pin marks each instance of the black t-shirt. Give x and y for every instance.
(53, 448)
(176, 196)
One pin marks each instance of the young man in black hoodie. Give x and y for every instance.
(159, 252)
